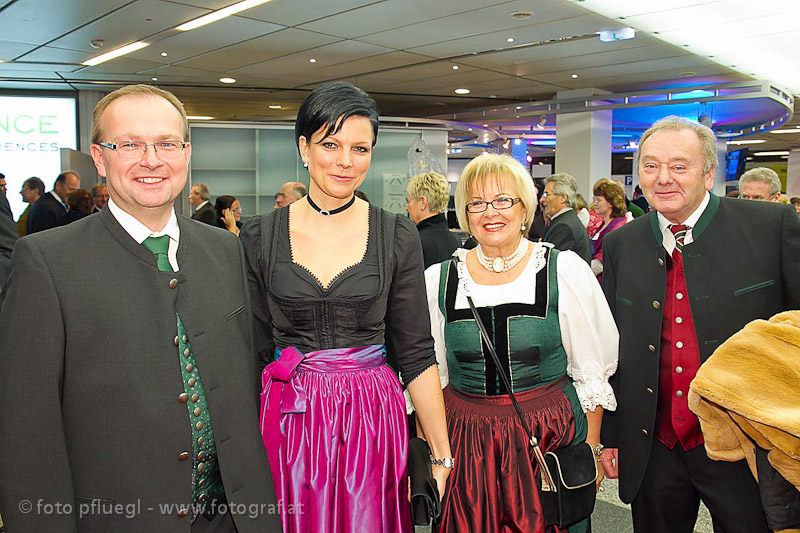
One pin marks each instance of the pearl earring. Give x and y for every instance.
(305, 165)
(523, 227)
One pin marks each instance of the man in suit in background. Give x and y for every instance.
(290, 192)
(99, 197)
(680, 280)
(760, 183)
(203, 209)
(48, 211)
(133, 407)
(32, 190)
(565, 232)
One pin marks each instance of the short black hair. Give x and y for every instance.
(34, 183)
(330, 105)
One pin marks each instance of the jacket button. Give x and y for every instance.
(679, 393)
(175, 340)
(173, 283)
(656, 304)
(183, 456)
(660, 262)
(183, 397)
(678, 369)
(183, 512)
(650, 391)
(652, 348)
(195, 397)
(645, 433)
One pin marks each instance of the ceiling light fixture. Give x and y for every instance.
(127, 49)
(767, 154)
(751, 141)
(786, 131)
(199, 117)
(274, 106)
(574, 76)
(163, 54)
(622, 34)
(228, 80)
(312, 60)
(220, 14)
(455, 67)
(521, 15)
(510, 40)
(462, 91)
(154, 79)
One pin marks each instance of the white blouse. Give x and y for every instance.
(588, 331)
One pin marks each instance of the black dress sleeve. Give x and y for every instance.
(408, 325)
(253, 243)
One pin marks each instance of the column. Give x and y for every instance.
(793, 173)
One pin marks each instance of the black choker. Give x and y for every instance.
(321, 211)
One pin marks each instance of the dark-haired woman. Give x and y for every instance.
(609, 203)
(333, 280)
(229, 212)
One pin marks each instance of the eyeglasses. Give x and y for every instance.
(237, 210)
(132, 149)
(497, 203)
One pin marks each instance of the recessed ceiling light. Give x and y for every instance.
(127, 49)
(688, 73)
(766, 154)
(312, 60)
(469, 129)
(786, 131)
(163, 54)
(220, 14)
(510, 40)
(521, 15)
(455, 67)
(199, 117)
(574, 76)
(485, 125)
(750, 141)
(227, 80)
(275, 106)
(154, 79)
(462, 91)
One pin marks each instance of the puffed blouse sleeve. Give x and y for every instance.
(252, 242)
(408, 329)
(588, 332)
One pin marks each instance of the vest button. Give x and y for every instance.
(185, 339)
(201, 467)
(183, 456)
(660, 262)
(645, 433)
(175, 340)
(173, 283)
(650, 391)
(197, 411)
(679, 393)
(187, 352)
(183, 397)
(679, 296)
(678, 320)
(200, 441)
(199, 426)
(656, 304)
(652, 348)
(679, 344)
(195, 397)
(191, 382)
(189, 367)
(678, 369)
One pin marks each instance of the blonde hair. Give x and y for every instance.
(140, 91)
(708, 142)
(485, 168)
(433, 186)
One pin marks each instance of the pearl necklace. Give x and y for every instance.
(503, 264)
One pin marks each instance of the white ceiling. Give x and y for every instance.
(401, 51)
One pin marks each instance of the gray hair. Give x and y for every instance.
(566, 185)
(708, 141)
(764, 174)
(202, 190)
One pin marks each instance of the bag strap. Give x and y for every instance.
(547, 478)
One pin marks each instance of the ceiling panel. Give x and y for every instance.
(327, 55)
(30, 21)
(215, 36)
(129, 24)
(391, 14)
(56, 55)
(391, 61)
(10, 50)
(254, 51)
(295, 12)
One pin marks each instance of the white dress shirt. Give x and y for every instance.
(588, 331)
(139, 232)
(668, 239)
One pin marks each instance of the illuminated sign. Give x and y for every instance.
(33, 129)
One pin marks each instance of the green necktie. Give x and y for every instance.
(206, 479)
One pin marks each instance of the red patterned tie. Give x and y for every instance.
(679, 231)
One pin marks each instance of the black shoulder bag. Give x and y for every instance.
(569, 496)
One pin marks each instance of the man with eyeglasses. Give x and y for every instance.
(134, 407)
(565, 232)
(32, 190)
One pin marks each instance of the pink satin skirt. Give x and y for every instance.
(335, 430)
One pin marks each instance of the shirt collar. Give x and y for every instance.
(57, 197)
(201, 205)
(138, 231)
(691, 221)
(561, 212)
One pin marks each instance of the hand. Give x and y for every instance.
(600, 477)
(611, 462)
(228, 219)
(440, 474)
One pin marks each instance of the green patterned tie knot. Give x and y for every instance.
(159, 246)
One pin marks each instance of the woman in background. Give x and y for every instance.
(609, 202)
(333, 279)
(229, 213)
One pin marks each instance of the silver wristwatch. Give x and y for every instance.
(447, 462)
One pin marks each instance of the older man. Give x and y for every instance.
(48, 211)
(203, 209)
(133, 407)
(760, 183)
(99, 197)
(565, 232)
(678, 289)
(290, 192)
(426, 201)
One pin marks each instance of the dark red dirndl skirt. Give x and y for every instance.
(494, 485)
